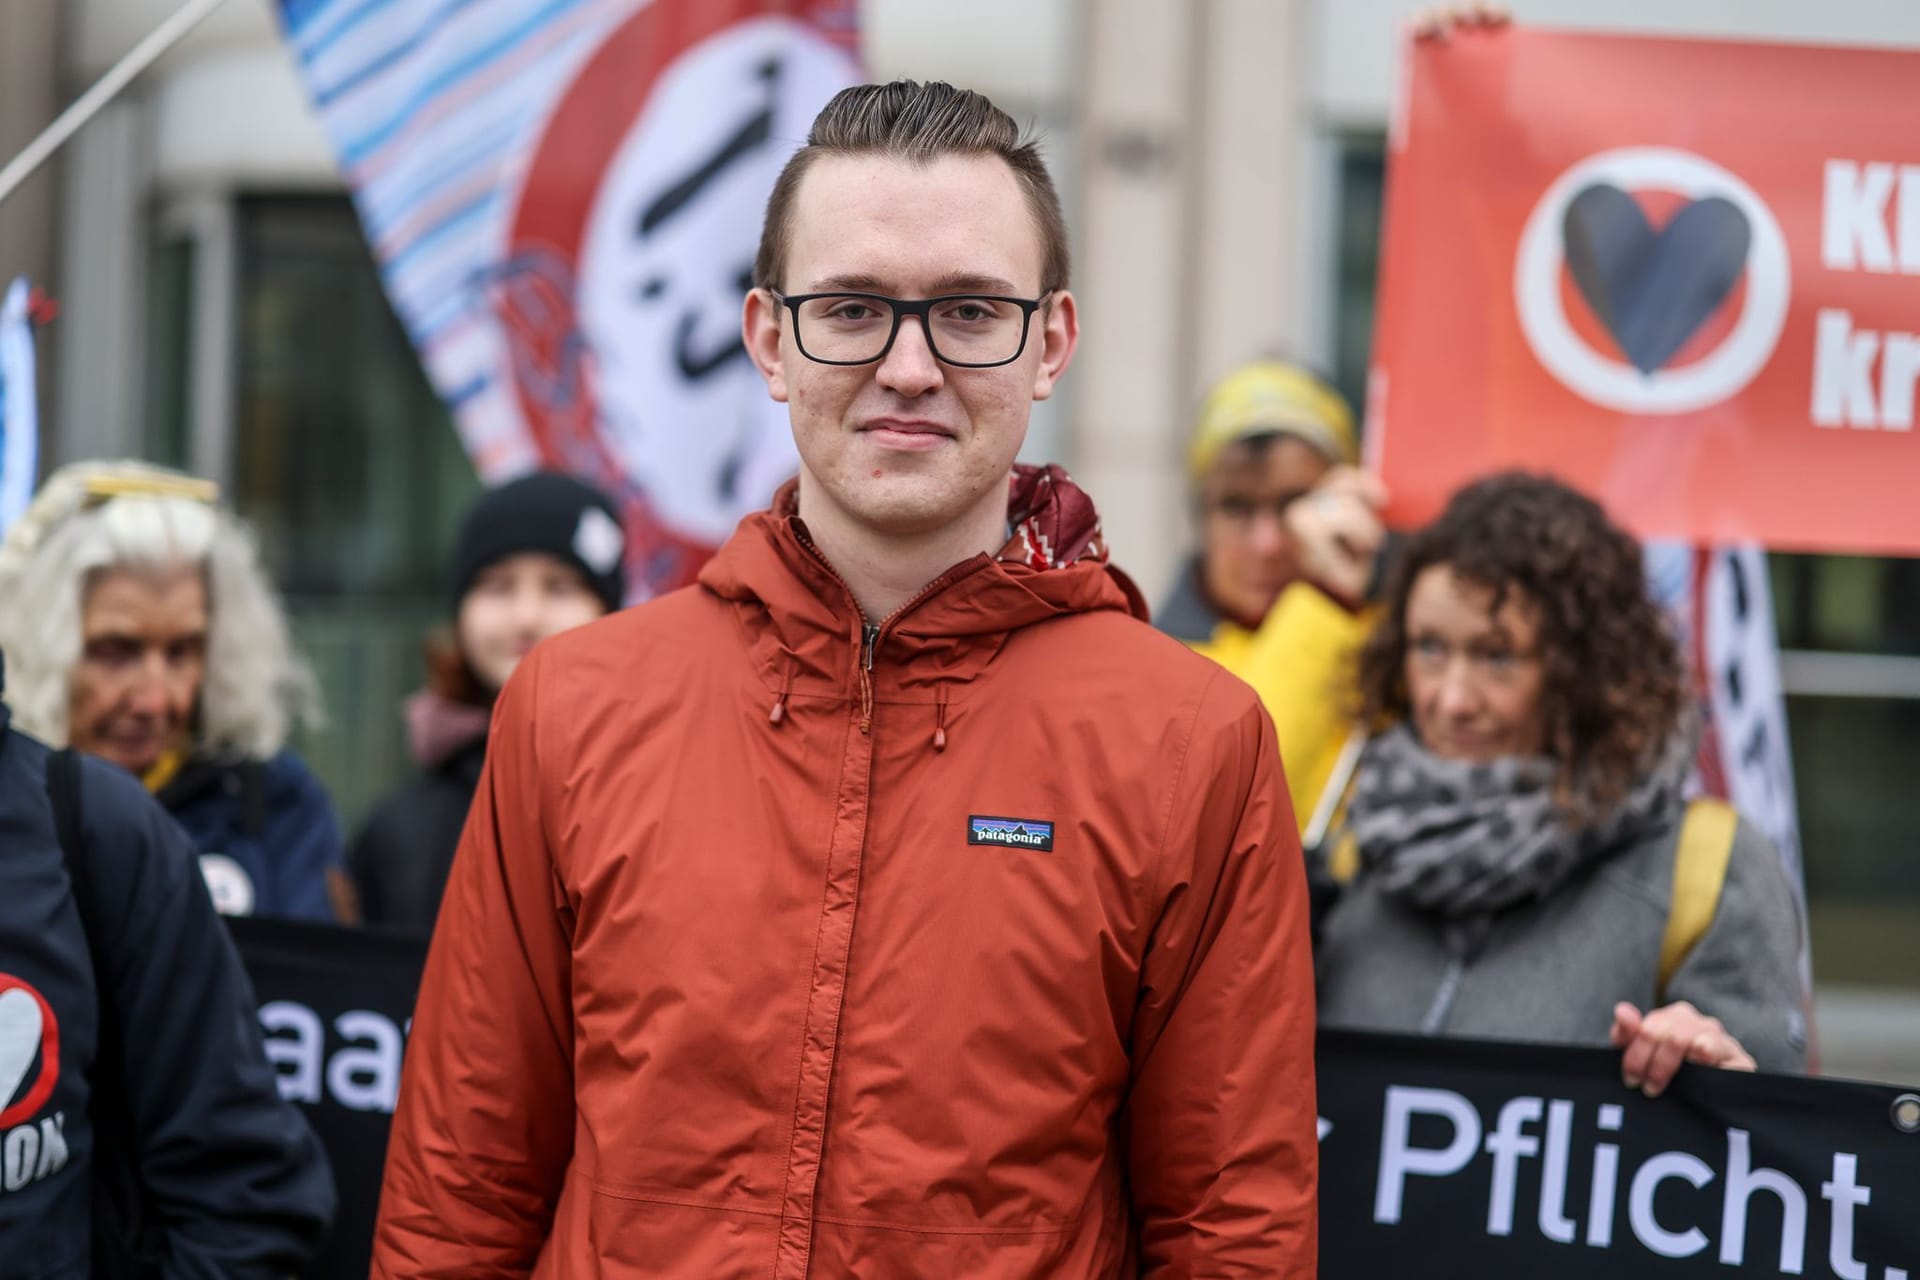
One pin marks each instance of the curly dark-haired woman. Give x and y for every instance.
(1517, 818)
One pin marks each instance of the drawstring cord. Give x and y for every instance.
(940, 718)
(779, 712)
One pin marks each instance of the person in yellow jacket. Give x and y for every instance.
(1289, 533)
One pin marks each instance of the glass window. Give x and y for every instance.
(348, 465)
(170, 309)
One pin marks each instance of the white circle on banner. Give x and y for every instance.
(669, 243)
(1614, 384)
(228, 884)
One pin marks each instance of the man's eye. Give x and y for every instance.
(854, 311)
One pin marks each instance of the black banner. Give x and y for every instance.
(1439, 1158)
(335, 1005)
(1462, 1158)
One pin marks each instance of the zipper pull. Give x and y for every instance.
(869, 636)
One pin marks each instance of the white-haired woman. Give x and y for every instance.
(139, 626)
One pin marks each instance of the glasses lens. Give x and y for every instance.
(977, 330)
(844, 327)
(853, 329)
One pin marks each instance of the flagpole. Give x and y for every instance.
(104, 90)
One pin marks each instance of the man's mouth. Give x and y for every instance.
(906, 434)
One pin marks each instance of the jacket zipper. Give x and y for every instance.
(871, 633)
(869, 637)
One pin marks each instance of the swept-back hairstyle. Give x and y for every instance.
(919, 123)
(1615, 688)
(92, 517)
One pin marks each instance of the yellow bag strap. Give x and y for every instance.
(1699, 872)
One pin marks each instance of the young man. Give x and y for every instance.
(896, 902)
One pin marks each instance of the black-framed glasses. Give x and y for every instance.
(966, 330)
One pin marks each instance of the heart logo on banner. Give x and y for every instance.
(21, 1026)
(1653, 290)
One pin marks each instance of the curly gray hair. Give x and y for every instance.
(92, 516)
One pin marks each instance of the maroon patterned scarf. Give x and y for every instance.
(1054, 523)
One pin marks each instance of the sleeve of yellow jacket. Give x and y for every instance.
(1222, 1138)
(1301, 663)
(484, 1129)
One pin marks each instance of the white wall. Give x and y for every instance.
(1353, 41)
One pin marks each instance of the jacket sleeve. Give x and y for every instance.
(1300, 662)
(1221, 1114)
(1745, 970)
(303, 840)
(483, 1134)
(238, 1179)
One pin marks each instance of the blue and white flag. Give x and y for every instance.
(564, 198)
(19, 410)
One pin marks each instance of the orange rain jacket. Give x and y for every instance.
(729, 983)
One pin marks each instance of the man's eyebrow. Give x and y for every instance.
(968, 282)
(952, 282)
(856, 281)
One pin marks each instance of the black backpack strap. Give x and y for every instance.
(64, 793)
(126, 1233)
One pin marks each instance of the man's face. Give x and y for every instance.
(142, 661)
(1249, 556)
(908, 446)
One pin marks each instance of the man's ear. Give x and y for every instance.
(760, 330)
(1059, 336)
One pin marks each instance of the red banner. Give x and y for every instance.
(1682, 275)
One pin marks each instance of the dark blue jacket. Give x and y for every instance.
(265, 832)
(237, 1178)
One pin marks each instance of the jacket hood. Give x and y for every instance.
(802, 619)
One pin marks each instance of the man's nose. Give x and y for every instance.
(909, 367)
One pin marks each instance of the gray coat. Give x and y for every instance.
(1552, 970)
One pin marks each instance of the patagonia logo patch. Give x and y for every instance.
(1010, 833)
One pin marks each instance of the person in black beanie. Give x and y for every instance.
(536, 556)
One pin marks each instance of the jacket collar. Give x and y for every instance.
(804, 626)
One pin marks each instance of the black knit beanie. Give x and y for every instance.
(550, 513)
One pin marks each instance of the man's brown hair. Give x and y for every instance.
(916, 122)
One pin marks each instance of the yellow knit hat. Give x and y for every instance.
(1269, 397)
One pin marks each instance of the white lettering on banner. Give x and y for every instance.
(1554, 1223)
(1854, 233)
(366, 1079)
(1606, 1180)
(1398, 1157)
(1845, 1194)
(1646, 1228)
(1509, 1142)
(1843, 382)
(362, 1076)
(302, 1052)
(1742, 1181)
